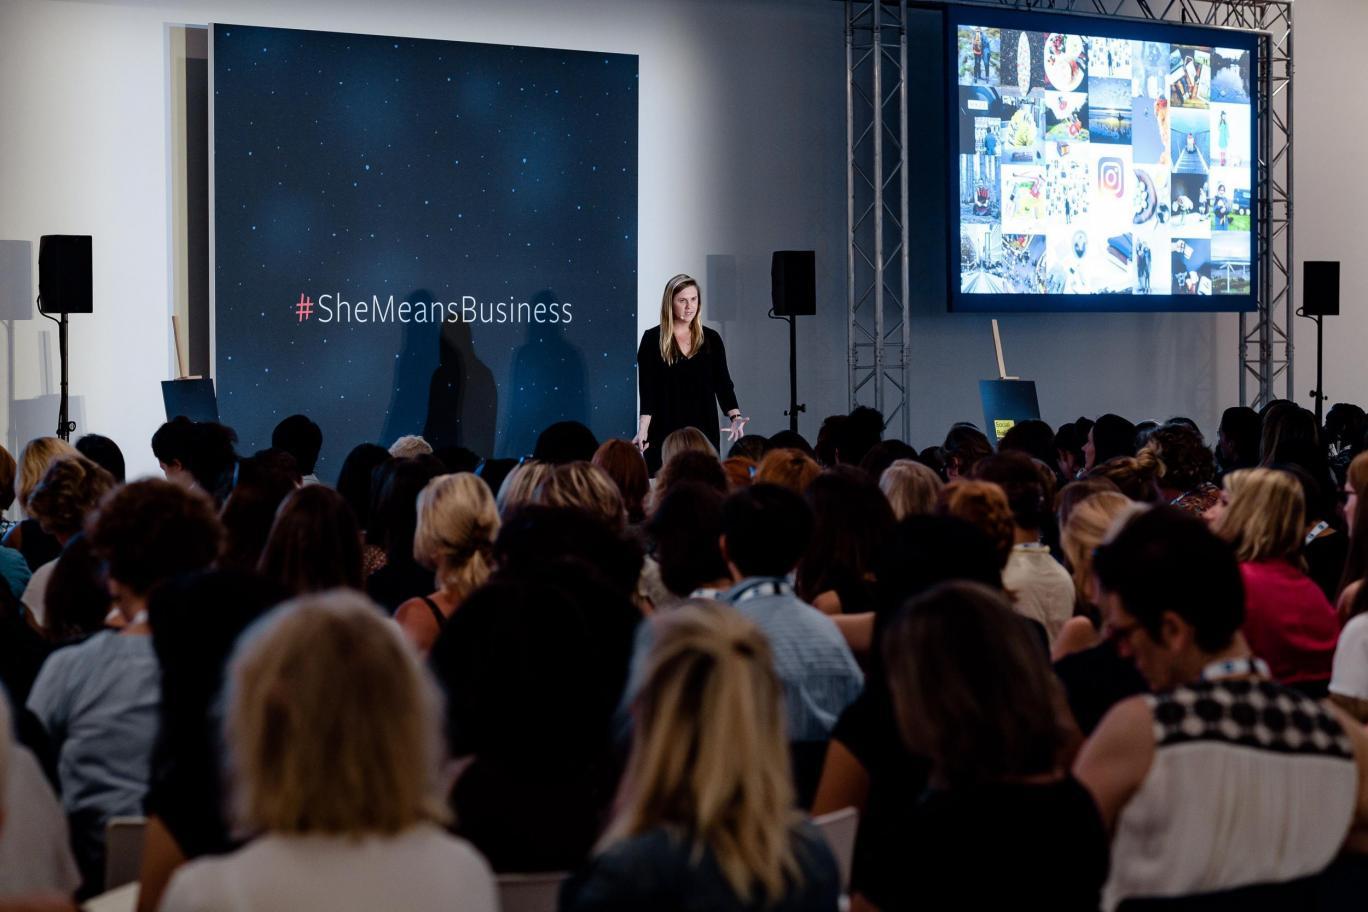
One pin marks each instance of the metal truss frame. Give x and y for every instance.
(877, 269)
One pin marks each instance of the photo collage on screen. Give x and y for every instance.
(1092, 165)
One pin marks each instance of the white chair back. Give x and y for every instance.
(123, 850)
(530, 892)
(839, 829)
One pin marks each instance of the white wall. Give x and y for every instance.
(742, 152)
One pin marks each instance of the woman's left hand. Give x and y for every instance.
(737, 429)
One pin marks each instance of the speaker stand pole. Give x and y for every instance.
(794, 407)
(1319, 391)
(64, 426)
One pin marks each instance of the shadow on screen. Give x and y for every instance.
(546, 384)
(463, 402)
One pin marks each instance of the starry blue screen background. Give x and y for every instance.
(356, 166)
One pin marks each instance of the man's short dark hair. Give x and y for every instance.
(767, 528)
(1112, 436)
(1168, 560)
(685, 527)
(302, 439)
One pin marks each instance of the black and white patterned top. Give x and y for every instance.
(1250, 782)
(1248, 712)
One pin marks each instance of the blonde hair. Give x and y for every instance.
(409, 446)
(910, 487)
(1086, 528)
(789, 468)
(521, 484)
(333, 727)
(584, 486)
(34, 459)
(709, 756)
(669, 348)
(685, 440)
(1266, 517)
(1357, 476)
(457, 522)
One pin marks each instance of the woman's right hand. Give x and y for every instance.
(640, 442)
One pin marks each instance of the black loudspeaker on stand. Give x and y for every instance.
(793, 293)
(1320, 299)
(64, 287)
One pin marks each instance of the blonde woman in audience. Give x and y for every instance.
(1087, 527)
(27, 537)
(910, 487)
(788, 468)
(457, 523)
(1288, 621)
(705, 816)
(584, 486)
(408, 446)
(335, 744)
(685, 439)
(520, 487)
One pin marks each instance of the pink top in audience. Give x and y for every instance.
(1289, 623)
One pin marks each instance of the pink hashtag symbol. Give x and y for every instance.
(304, 309)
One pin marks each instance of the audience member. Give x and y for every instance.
(196, 619)
(625, 466)
(1183, 476)
(1110, 437)
(520, 486)
(964, 446)
(1290, 435)
(1068, 446)
(983, 505)
(14, 570)
(1087, 527)
(565, 441)
(999, 784)
(27, 537)
(750, 446)
(1325, 549)
(532, 681)
(8, 470)
(354, 480)
(67, 493)
(104, 452)
(1039, 585)
(197, 453)
(1036, 440)
(1143, 430)
(686, 528)
(263, 483)
(765, 531)
(1237, 439)
(77, 600)
(910, 487)
(410, 446)
(740, 472)
(302, 439)
(788, 468)
(691, 465)
(850, 517)
(705, 817)
(791, 440)
(1131, 475)
(857, 435)
(394, 518)
(584, 486)
(1288, 621)
(1201, 783)
(454, 538)
(334, 733)
(868, 766)
(37, 872)
(686, 440)
(883, 454)
(1075, 492)
(314, 543)
(824, 450)
(97, 700)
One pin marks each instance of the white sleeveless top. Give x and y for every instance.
(1251, 783)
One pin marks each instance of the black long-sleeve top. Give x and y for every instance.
(684, 394)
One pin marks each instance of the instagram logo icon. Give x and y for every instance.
(1111, 177)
